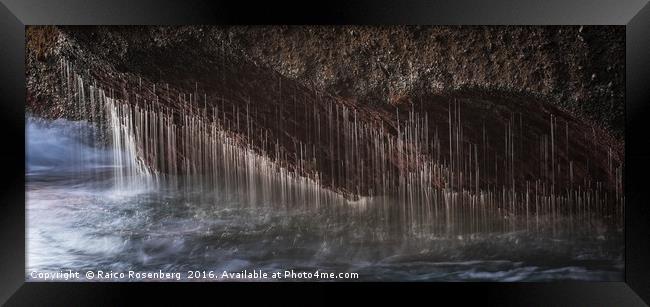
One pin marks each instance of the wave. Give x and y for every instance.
(63, 145)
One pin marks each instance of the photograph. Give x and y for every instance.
(325, 153)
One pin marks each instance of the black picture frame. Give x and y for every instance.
(634, 14)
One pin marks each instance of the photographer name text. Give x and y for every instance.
(245, 275)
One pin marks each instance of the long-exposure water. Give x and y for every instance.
(79, 218)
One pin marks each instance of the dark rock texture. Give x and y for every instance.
(580, 69)
(576, 73)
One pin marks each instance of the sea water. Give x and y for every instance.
(81, 216)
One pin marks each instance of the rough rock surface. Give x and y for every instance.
(580, 69)
(376, 70)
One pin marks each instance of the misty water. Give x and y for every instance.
(78, 219)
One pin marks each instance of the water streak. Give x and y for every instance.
(404, 169)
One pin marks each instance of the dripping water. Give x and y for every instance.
(386, 183)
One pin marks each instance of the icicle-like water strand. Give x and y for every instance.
(133, 172)
(416, 184)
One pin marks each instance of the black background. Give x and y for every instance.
(14, 14)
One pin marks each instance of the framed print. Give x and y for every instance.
(426, 147)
